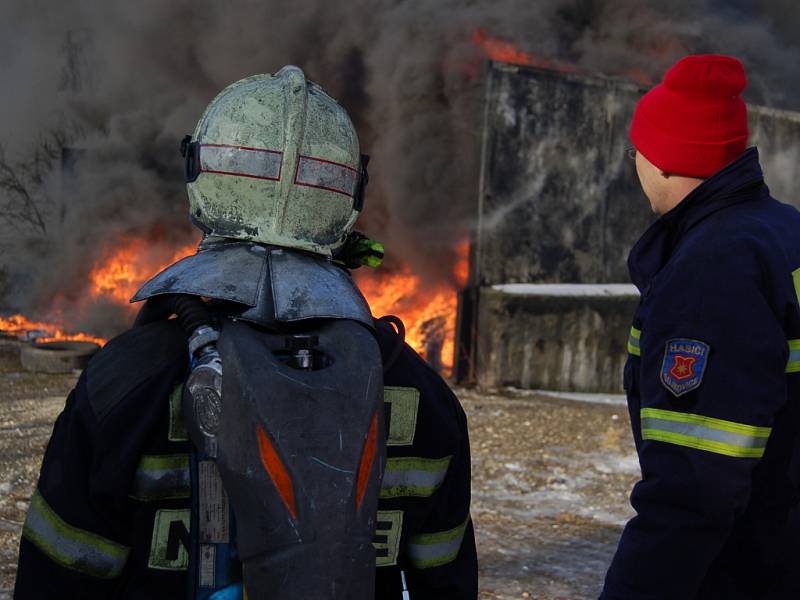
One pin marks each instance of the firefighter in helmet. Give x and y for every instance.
(273, 440)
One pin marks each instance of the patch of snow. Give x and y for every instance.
(607, 399)
(513, 466)
(616, 463)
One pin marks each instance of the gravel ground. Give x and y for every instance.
(550, 481)
(550, 492)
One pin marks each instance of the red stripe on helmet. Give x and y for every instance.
(326, 175)
(241, 161)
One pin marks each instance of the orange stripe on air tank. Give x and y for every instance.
(367, 458)
(277, 471)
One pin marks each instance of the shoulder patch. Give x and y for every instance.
(684, 365)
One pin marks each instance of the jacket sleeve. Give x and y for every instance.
(74, 539)
(698, 449)
(77, 534)
(442, 555)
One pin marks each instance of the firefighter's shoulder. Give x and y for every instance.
(763, 233)
(142, 357)
(421, 409)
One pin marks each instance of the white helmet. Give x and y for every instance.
(276, 160)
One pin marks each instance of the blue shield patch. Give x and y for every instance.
(684, 365)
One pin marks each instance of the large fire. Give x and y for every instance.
(428, 310)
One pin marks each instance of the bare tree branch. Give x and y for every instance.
(17, 203)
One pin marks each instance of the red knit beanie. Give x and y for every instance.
(694, 122)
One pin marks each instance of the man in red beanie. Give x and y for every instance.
(713, 376)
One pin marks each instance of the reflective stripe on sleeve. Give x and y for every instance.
(428, 550)
(704, 433)
(793, 366)
(70, 546)
(633, 342)
(412, 476)
(258, 163)
(162, 477)
(326, 175)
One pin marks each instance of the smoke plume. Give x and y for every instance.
(121, 82)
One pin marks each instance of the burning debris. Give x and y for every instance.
(26, 329)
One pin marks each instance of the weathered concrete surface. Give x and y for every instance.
(559, 199)
(556, 339)
(550, 483)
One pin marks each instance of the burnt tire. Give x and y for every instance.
(57, 357)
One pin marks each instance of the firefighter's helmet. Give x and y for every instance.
(274, 159)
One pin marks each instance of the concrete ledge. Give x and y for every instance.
(568, 290)
(555, 337)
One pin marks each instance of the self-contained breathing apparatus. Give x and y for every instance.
(284, 399)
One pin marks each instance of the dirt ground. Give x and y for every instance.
(551, 478)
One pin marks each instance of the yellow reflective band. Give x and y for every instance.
(70, 546)
(793, 366)
(633, 342)
(162, 477)
(428, 550)
(704, 433)
(413, 476)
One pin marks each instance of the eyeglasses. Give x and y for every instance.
(631, 152)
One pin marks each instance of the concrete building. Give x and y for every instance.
(559, 203)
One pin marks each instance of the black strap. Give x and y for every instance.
(390, 339)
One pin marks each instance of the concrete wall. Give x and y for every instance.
(559, 198)
(555, 341)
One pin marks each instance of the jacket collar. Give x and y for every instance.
(739, 181)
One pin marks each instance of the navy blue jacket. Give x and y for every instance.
(714, 399)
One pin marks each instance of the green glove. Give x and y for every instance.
(360, 251)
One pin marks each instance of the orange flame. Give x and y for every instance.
(660, 48)
(21, 326)
(123, 270)
(427, 310)
(116, 277)
(504, 51)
